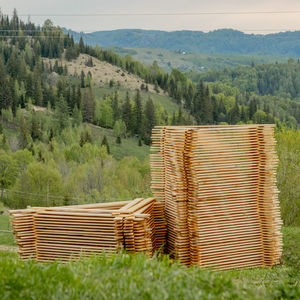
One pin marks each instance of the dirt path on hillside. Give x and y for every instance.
(8, 248)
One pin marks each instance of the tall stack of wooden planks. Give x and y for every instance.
(218, 188)
(63, 233)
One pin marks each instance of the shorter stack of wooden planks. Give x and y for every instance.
(218, 188)
(63, 233)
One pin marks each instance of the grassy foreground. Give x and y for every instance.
(126, 276)
(6, 238)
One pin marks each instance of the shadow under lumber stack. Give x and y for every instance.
(62, 233)
(218, 188)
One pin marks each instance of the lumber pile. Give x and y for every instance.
(216, 205)
(51, 233)
(218, 188)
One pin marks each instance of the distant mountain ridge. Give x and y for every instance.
(221, 41)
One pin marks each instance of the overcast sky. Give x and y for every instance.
(256, 23)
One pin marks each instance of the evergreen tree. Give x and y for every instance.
(77, 116)
(234, 114)
(150, 120)
(35, 127)
(252, 108)
(78, 97)
(207, 109)
(105, 143)
(115, 106)
(85, 137)
(180, 118)
(23, 138)
(88, 105)
(82, 79)
(62, 113)
(202, 105)
(118, 140)
(81, 45)
(173, 119)
(127, 115)
(5, 91)
(37, 92)
(138, 113)
(244, 117)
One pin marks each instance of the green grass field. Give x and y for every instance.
(169, 59)
(164, 100)
(129, 146)
(125, 276)
(5, 238)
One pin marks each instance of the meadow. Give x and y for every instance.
(201, 62)
(127, 276)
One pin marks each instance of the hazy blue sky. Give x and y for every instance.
(257, 23)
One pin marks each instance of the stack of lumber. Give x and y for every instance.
(23, 227)
(218, 188)
(66, 232)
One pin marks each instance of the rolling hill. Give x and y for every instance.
(222, 41)
(198, 62)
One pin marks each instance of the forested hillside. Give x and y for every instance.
(279, 79)
(225, 41)
(68, 137)
(190, 61)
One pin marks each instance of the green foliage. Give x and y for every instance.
(8, 170)
(5, 237)
(40, 180)
(104, 115)
(126, 276)
(225, 41)
(105, 144)
(120, 129)
(281, 79)
(62, 113)
(77, 116)
(288, 149)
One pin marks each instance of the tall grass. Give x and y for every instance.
(288, 175)
(125, 276)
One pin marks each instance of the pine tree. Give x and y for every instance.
(235, 114)
(173, 119)
(252, 108)
(150, 120)
(115, 106)
(35, 127)
(77, 116)
(5, 91)
(81, 45)
(78, 96)
(118, 140)
(88, 105)
(37, 87)
(244, 117)
(82, 79)
(23, 138)
(202, 105)
(207, 108)
(197, 102)
(180, 119)
(127, 114)
(138, 113)
(62, 113)
(51, 134)
(105, 143)
(85, 137)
